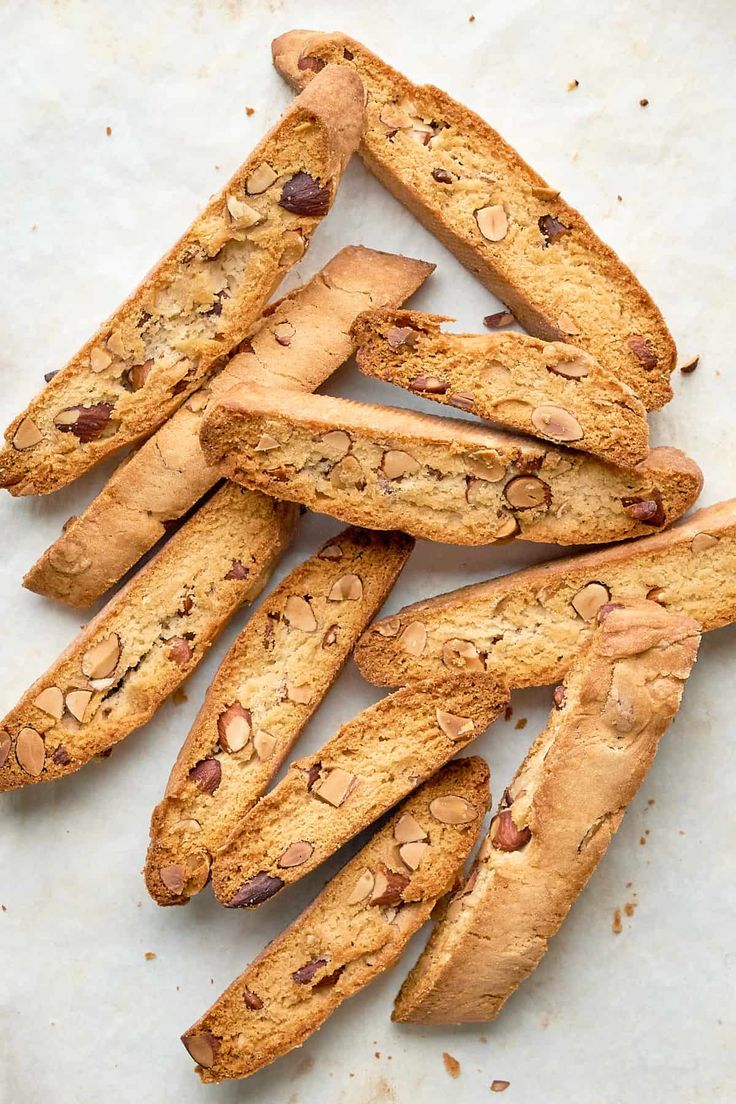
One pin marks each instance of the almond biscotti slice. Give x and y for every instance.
(558, 817)
(353, 931)
(197, 303)
(268, 686)
(437, 478)
(372, 762)
(546, 389)
(297, 343)
(530, 624)
(497, 215)
(147, 639)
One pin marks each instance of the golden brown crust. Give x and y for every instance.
(372, 762)
(531, 623)
(542, 259)
(342, 941)
(297, 343)
(437, 478)
(144, 643)
(558, 816)
(268, 686)
(197, 302)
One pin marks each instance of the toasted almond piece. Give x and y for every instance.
(589, 600)
(397, 463)
(389, 628)
(296, 854)
(571, 369)
(433, 385)
(567, 324)
(388, 888)
(26, 435)
(336, 787)
(5, 745)
(242, 214)
(77, 702)
(265, 744)
(173, 877)
(30, 751)
(335, 444)
(413, 853)
(234, 728)
(266, 443)
(557, 423)
(331, 552)
(414, 638)
(451, 809)
(362, 888)
(453, 726)
(202, 1048)
(99, 359)
(51, 701)
(505, 835)
(408, 830)
(690, 364)
(115, 344)
(526, 492)
(101, 659)
(492, 222)
(260, 179)
(347, 473)
(348, 588)
(458, 653)
(486, 464)
(507, 529)
(301, 693)
(299, 614)
(702, 541)
(283, 332)
(186, 824)
(198, 401)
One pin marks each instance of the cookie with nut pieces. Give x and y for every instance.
(558, 816)
(373, 761)
(268, 686)
(352, 932)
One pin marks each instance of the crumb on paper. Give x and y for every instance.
(4, 908)
(482, 1038)
(499, 1086)
(652, 801)
(630, 908)
(108, 131)
(179, 697)
(690, 364)
(451, 1064)
(149, 956)
(620, 198)
(521, 723)
(250, 111)
(617, 926)
(628, 885)
(642, 840)
(471, 19)
(644, 102)
(35, 226)
(377, 1054)
(508, 713)
(572, 85)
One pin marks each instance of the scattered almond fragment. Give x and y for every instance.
(501, 1086)
(498, 320)
(336, 787)
(451, 1064)
(690, 364)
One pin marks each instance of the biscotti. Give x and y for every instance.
(531, 623)
(372, 762)
(437, 477)
(297, 343)
(197, 303)
(557, 818)
(353, 931)
(268, 686)
(497, 215)
(546, 389)
(146, 640)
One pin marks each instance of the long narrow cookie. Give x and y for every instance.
(353, 931)
(268, 686)
(558, 816)
(298, 343)
(372, 762)
(146, 640)
(497, 215)
(437, 478)
(546, 389)
(531, 623)
(197, 303)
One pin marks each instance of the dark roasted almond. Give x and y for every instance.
(238, 571)
(505, 836)
(251, 1000)
(303, 195)
(552, 228)
(305, 973)
(649, 511)
(643, 352)
(138, 374)
(256, 890)
(180, 650)
(498, 320)
(206, 775)
(87, 423)
(314, 63)
(442, 176)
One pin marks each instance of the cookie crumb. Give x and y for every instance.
(108, 131)
(451, 1064)
(508, 713)
(149, 956)
(617, 926)
(629, 908)
(482, 1038)
(572, 85)
(3, 908)
(250, 111)
(471, 19)
(377, 1054)
(499, 1086)
(179, 697)
(521, 723)
(620, 198)
(686, 368)
(642, 840)
(35, 226)
(644, 103)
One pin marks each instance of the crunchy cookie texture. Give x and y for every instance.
(147, 640)
(437, 478)
(374, 761)
(296, 343)
(557, 818)
(531, 623)
(546, 389)
(354, 930)
(197, 303)
(268, 686)
(497, 215)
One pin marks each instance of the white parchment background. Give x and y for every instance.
(645, 1015)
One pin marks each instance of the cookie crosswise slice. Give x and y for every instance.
(197, 303)
(498, 216)
(298, 342)
(546, 389)
(557, 818)
(530, 624)
(270, 683)
(373, 761)
(147, 640)
(353, 931)
(435, 477)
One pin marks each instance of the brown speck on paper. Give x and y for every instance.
(616, 926)
(508, 713)
(179, 697)
(250, 111)
(149, 956)
(644, 102)
(629, 908)
(499, 1086)
(108, 131)
(471, 19)
(521, 723)
(572, 85)
(451, 1064)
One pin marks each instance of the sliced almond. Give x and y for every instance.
(454, 727)
(5, 745)
(301, 692)
(242, 214)
(296, 854)
(388, 888)
(450, 809)
(260, 179)
(51, 701)
(362, 888)
(346, 474)
(492, 222)
(299, 614)
(413, 853)
(234, 728)
(507, 529)
(202, 1048)
(396, 463)
(408, 829)
(702, 541)
(26, 435)
(527, 492)
(336, 787)
(331, 552)
(486, 464)
(335, 444)
(414, 638)
(462, 654)
(186, 824)
(265, 744)
(557, 423)
(101, 659)
(571, 369)
(30, 751)
(348, 588)
(567, 324)
(388, 628)
(433, 385)
(172, 877)
(267, 443)
(99, 359)
(589, 600)
(77, 702)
